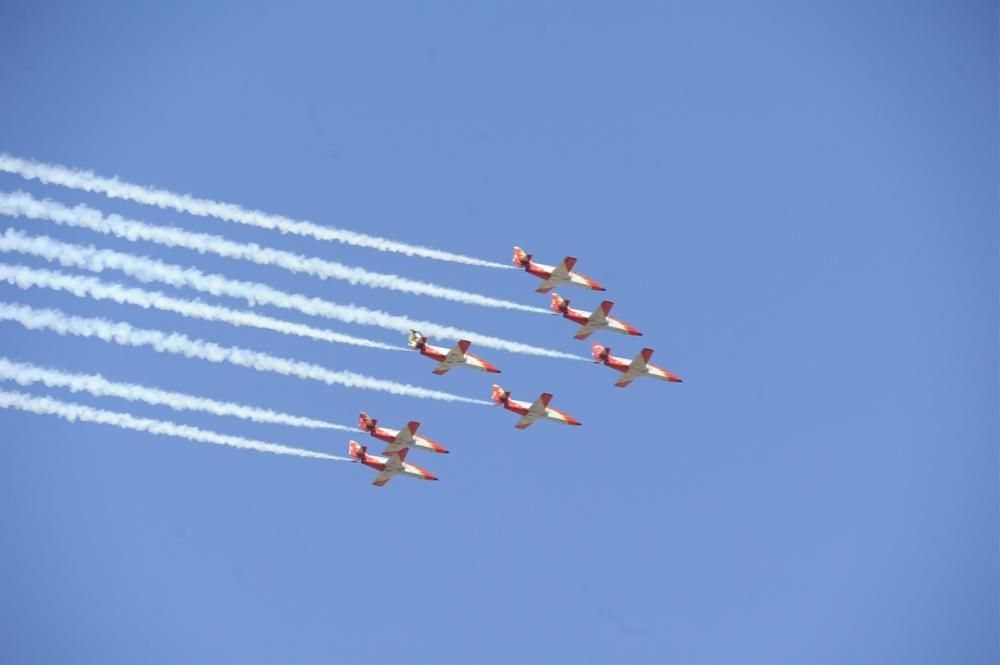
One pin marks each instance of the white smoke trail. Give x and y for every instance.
(254, 293)
(72, 412)
(124, 334)
(21, 204)
(95, 384)
(88, 181)
(89, 287)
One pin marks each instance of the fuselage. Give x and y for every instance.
(436, 352)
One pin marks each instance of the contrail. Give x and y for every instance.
(72, 412)
(124, 334)
(152, 270)
(89, 287)
(21, 204)
(95, 384)
(113, 188)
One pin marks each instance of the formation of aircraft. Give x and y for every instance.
(458, 356)
(554, 276)
(537, 410)
(590, 323)
(399, 442)
(637, 368)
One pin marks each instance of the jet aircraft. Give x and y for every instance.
(458, 356)
(590, 323)
(388, 467)
(398, 439)
(537, 410)
(554, 276)
(639, 366)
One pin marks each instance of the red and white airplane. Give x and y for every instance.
(457, 357)
(554, 275)
(388, 467)
(593, 322)
(538, 410)
(639, 366)
(398, 439)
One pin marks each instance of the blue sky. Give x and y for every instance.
(796, 202)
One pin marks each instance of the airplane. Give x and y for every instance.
(593, 322)
(538, 410)
(639, 366)
(457, 357)
(554, 275)
(388, 467)
(398, 439)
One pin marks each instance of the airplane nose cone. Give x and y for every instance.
(675, 379)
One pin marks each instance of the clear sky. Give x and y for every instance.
(796, 202)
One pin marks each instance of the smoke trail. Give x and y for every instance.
(95, 384)
(254, 293)
(55, 174)
(88, 287)
(20, 204)
(72, 412)
(124, 334)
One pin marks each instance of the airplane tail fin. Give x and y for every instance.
(499, 394)
(521, 258)
(416, 340)
(366, 422)
(357, 451)
(599, 352)
(559, 304)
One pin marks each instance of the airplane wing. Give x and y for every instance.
(393, 465)
(559, 275)
(636, 368)
(455, 357)
(595, 321)
(382, 478)
(537, 410)
(404, 439)
(627, 379)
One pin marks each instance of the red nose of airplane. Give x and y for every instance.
(673, 378)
